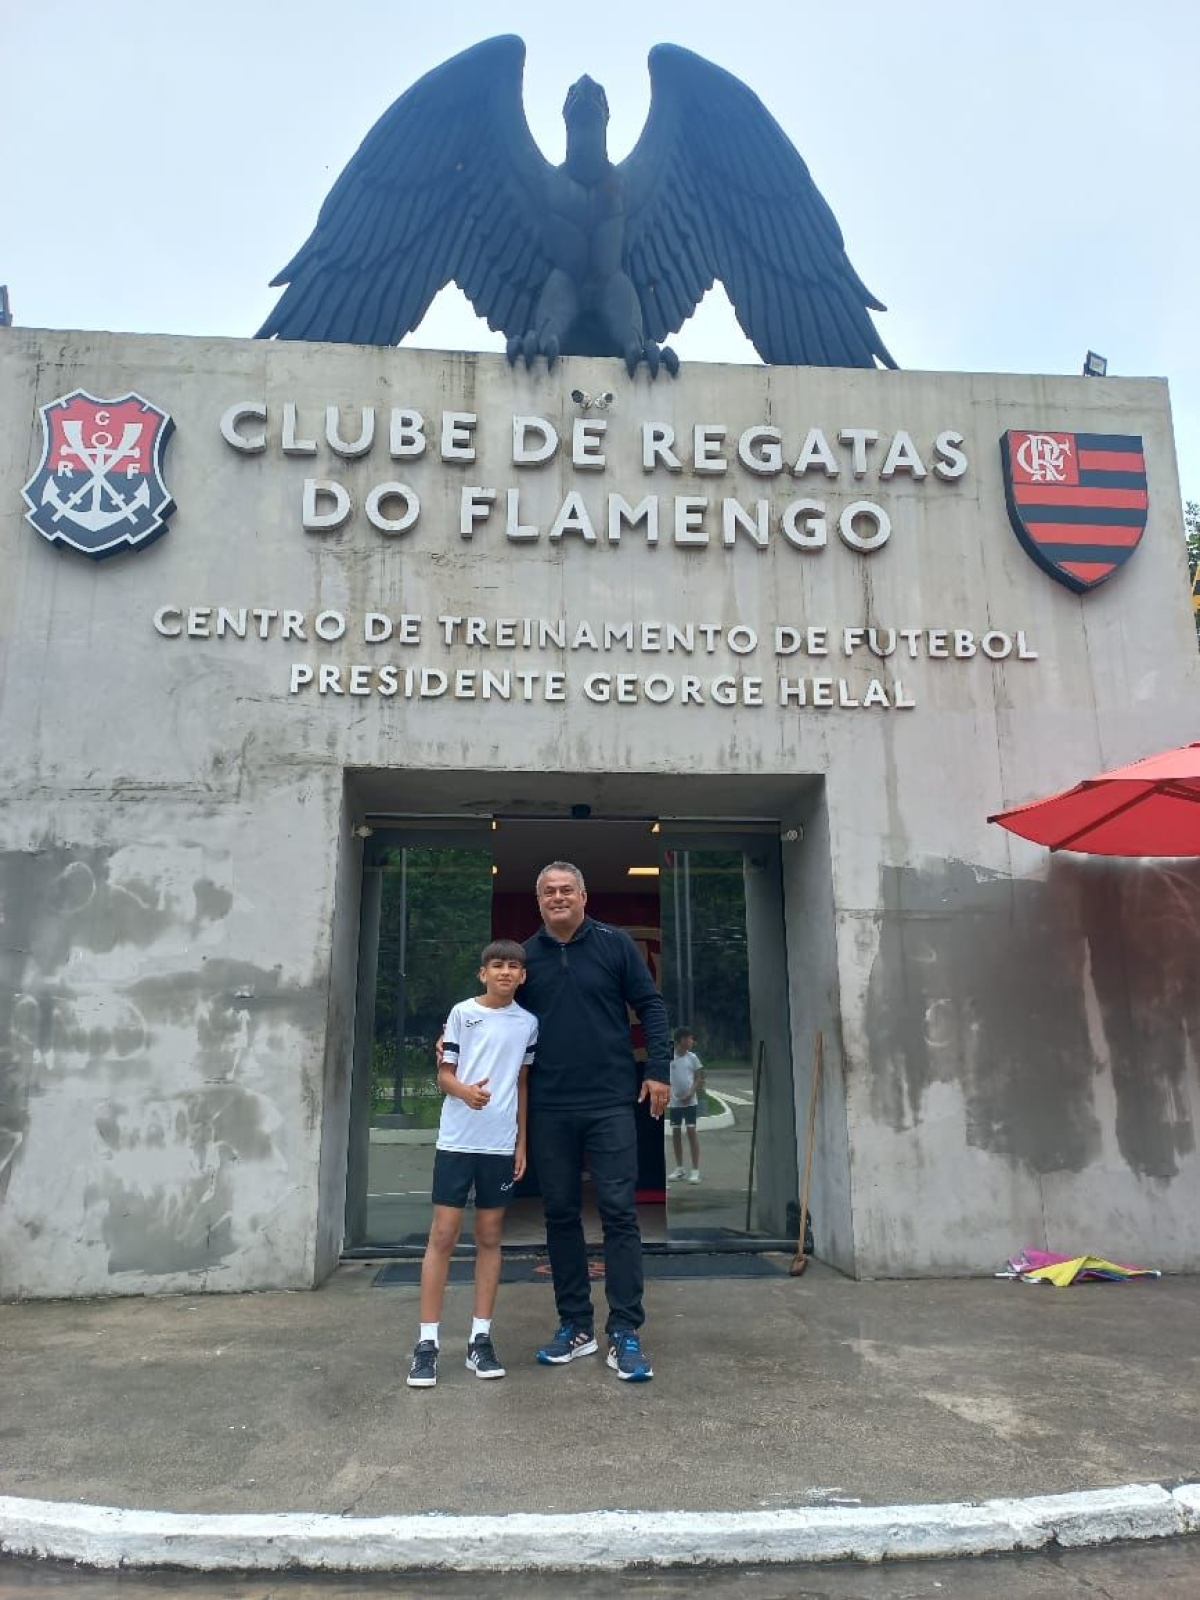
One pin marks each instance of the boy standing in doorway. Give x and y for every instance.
(687, 1085)
(486, 1052)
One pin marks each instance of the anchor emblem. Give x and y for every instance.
(99, 486)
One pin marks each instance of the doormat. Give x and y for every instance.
(536, 1269)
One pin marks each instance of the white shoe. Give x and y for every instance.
(694, 1177)
(673, 1177)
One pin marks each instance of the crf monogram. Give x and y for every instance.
(1043, 457)
(97, 503)
(99, 487)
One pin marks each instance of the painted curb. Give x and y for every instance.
(724, 1118)
(106, 1536)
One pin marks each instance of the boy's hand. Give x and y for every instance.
(476, 1095)
(519, 1163)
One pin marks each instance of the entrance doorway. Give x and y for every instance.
(704, 903)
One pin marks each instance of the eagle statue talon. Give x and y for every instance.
(529, 347)
(590, 258)
(654, 356)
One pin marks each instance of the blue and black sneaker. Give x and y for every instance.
(422, 1374)
(627, 1358)
(566, 1344)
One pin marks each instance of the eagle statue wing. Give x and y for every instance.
(446, 186)
(716, 190)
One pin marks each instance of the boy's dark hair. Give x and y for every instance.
(502, 950)
(682, 1033)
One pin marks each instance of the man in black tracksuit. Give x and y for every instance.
(580, 977)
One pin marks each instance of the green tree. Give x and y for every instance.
(719, 1011)
(436, 916)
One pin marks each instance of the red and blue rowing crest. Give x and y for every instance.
(1077, 501)
(99, 487)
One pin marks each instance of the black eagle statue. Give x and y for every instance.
(586, 259)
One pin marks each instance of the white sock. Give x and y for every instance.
(429, 1330)
(480, 1325)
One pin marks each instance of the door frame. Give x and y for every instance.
(776, 1166)
(758, 837)
(447, 833)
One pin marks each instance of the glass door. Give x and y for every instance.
(725, 980)
(427, 913)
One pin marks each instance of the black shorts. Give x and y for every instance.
(680, 1114)
(454, 1172)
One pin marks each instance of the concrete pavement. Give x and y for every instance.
(789, 1419)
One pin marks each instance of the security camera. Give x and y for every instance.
(586, 402)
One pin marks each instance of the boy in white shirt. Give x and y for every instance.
(687, 1085)
(487, 1050)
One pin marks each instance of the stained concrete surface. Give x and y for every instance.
(768, 1393)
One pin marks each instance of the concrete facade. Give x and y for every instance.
(1011, 1039)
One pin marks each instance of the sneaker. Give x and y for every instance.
(694, 1177)
(482, 1359)
(566, 1344)
(423, 1372)
(627, 1358)
(674, 1177)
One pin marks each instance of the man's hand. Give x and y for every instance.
(657, 1093)
(476, 1095)
(519, 1163)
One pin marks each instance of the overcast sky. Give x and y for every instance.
(1016, 182)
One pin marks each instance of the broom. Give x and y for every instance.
(800, 1260)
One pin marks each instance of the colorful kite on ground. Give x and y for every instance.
(1044, 1266)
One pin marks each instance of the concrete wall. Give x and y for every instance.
(1011, 1039)
(164, 1031)
(813, 982)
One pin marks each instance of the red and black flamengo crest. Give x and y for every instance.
(1077, 501)
(99, 487)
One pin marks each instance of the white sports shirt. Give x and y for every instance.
(492, 1042)
(683, 1078)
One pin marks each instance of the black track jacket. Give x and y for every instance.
(579, 992)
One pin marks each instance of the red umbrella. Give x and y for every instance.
(1150, 808)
